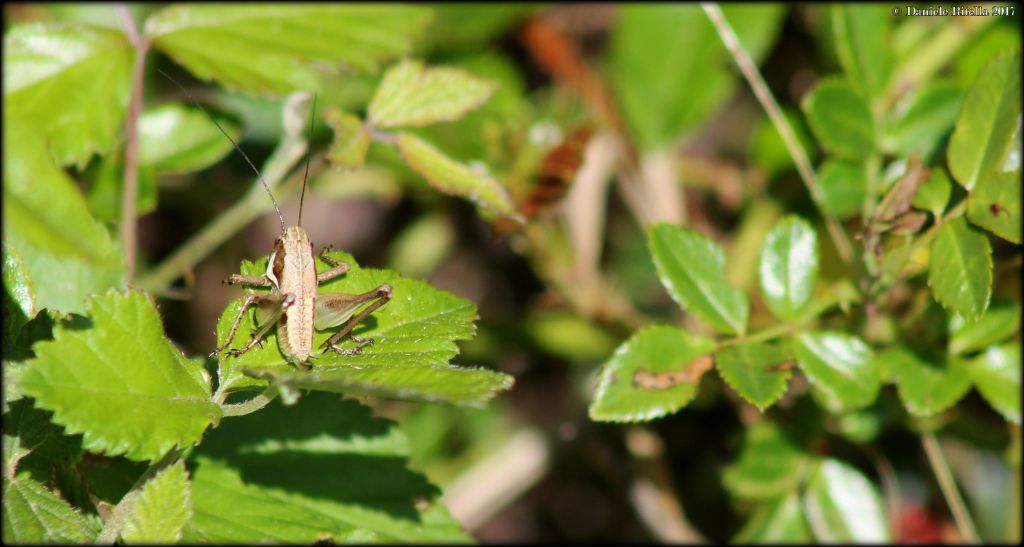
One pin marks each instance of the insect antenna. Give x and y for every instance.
(312, 118)
(240, 151)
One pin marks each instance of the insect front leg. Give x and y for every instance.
(334, 309)
(271, 305)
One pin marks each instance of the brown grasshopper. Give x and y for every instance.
(293, 304)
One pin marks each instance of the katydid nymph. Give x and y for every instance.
(293, 304)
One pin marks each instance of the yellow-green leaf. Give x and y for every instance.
(413, 96)
(960, 269)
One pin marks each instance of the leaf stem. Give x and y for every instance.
(130, 192)
(771, 107)
(250, 406)
(943, 474)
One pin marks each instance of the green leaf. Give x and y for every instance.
(69, 82)
(996, 374)
(668, 81)
(33, 444)
(757, 372)
(33, 514)
(471, 27)
(989, 123)
(280, 48)
(105, 193)
(994, 204)
(667, 355)
(692, 269)
(175, 138)
(768, 467)
(841, 119)
(778, 521)
(67, 253)
(114, 378)
(960, 269)
(413, 96)
(927, 385)
(162, 508)
(862, 45)
(933, 194)
(767, 148)
(928, 118)
(1000, 322)
(842, 505)
(453, 178)
(844, 186)
(351, 139)
(417, 328)
(324, 468)
(789, 266)
(18, 298)
(430, 383)
(840, 366)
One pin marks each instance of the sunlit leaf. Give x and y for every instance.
(960, 269)
(34, 514)
(777, 521)
(996, 374)
(174, 138)
(654, 373)
(758, 372)
(841, 366)
(769, 466)
(927, 385)
(933, 194)
(789, 267)
(161, 510)
(841, 119)
(411, 95)
(351, 139)
(1000, 322)
(927, 119)
(842, 505)
(692, 268)
(994, 204)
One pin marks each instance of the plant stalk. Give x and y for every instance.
(130, 192)
(943, 474)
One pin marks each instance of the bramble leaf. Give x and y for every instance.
(842, 505)
(692, 269)
(161, 510)
(174, 138)
(840, 366)
(323, 468)
(996, 374)
(926, 387)
(116, 379)
(453, 178)
(69, 82)
(67, 253)
(756, 371)
(351, 139)
(18, 298)
(33, 514)
(987, 134)
(769, 465)
(280, 48)
(410, 95)
(841, 119)
(654, 373)
(960, 269)
(789, 267)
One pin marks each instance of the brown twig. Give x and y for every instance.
(130, 192)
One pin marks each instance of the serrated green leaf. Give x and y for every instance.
(162, 509)
(175, 138)
(321, 468)
(994, 204)
(769, 466)
(453, 178)
(18, 298)
(280, 48)
(926, 120)
(988, 124)
(755, 371)
(933, 194)
(69, 82)
(844, 186)
(67, 253)
(351, 139)
(996, 373)
(842, 505)
(116, 379)
(33, 444)
(862, 45)
(417, 328)
(1000, 322)
(927, 385)
(840, 366)
(33, 514)
(692, 269)
(789, 267)
(841, 119)
(657, 351)
(960, 269)
(430, 383)
(410, 95)
(646, 45)
(778, 521)
(105, 193)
